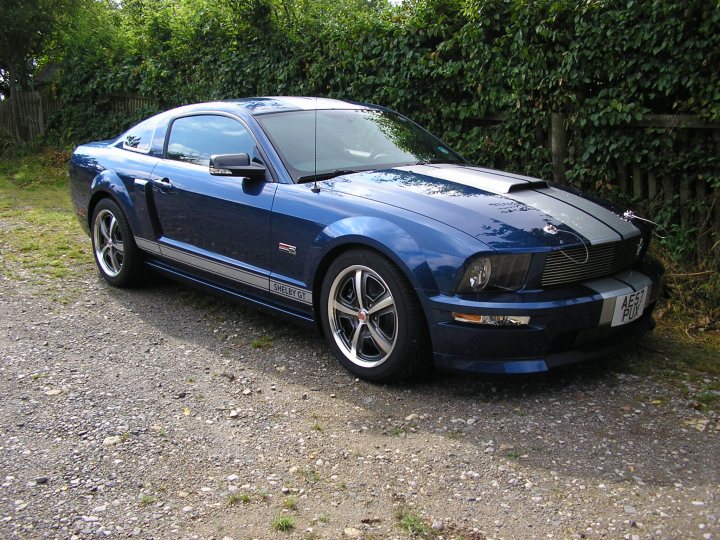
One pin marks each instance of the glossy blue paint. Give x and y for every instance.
(319, 222)
(234, 236)
(533, 364)
(230, 216)
(467, 209)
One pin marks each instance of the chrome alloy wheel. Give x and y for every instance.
(108, 242)
(362, 316)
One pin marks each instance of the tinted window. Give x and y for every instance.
(139, 138)
(194, 139)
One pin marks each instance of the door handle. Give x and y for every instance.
(164, 183)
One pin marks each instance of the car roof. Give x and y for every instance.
(257, 106)
(272, 104)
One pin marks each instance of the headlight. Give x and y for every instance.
(505, 272)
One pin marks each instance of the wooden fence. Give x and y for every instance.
(25, 116)
(651, 192)
(122, 103)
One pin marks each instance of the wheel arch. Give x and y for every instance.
(119, 260)
(410, 355)
(377, 235)
(109, 185)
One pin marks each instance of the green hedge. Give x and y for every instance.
(448, 64)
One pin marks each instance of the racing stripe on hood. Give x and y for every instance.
(586, 218)
(625, 228)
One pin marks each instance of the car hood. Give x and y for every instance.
(503, 210)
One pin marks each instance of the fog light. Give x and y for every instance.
(492, 320)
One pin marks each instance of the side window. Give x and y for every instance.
(193, 139)
(139, 138)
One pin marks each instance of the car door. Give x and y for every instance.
(213, 224)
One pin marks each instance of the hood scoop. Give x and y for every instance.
(526, 186)
(483, 179)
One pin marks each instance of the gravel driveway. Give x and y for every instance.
(164, 413)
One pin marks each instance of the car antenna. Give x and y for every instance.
(315, 188)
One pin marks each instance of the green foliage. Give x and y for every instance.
(26, 34)
(412, 523)
(449, 64)
(283, 523)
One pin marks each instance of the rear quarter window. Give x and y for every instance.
(139, 138)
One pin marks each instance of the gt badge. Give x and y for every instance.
(287, 248)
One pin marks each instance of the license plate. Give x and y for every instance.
(629, 307)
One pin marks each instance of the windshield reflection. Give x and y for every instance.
(320, 142)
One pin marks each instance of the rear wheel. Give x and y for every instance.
(116, 254)
(372, 318)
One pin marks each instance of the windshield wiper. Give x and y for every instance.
(324, 176)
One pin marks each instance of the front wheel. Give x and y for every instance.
(372, 318)
(116, 254)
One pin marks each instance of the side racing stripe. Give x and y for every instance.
(228, 271)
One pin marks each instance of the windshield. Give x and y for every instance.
(350, 140)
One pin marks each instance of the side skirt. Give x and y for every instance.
(216, 288)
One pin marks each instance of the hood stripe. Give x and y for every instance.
(575, 212)
(611, 219)
(583, 223)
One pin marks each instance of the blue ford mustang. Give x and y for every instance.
(352, 218)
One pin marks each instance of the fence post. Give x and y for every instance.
(715, 228)
(622, 177)
(652, 188)
(558, 146)
(637, 178)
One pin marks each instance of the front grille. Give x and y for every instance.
(564, 266)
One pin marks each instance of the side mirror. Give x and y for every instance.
(236, 165)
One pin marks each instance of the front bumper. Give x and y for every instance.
(567, 325)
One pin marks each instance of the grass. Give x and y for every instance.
(412, 523)
(146, 500)
(40, 237)
(283, 523)
(323, 518)
(263, 342)
(290, 502)
(236, 498)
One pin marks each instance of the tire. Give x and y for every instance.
(380, 335)
(117, 256)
